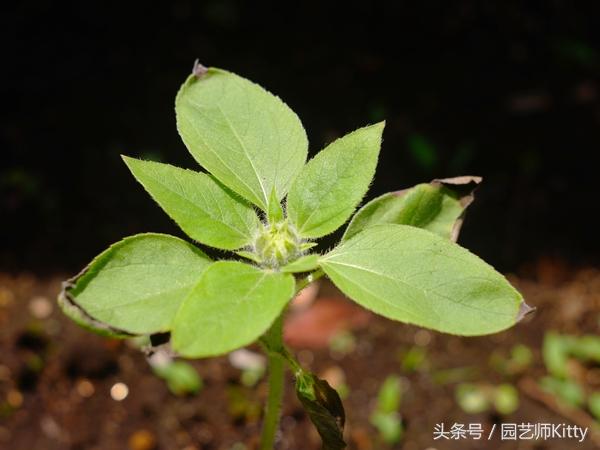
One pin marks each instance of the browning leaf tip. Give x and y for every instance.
(199, 70)
(524, 310)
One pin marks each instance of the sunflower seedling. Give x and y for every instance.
(259, 199)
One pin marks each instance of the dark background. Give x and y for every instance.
(507, 90)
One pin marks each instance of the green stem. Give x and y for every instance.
(273, 412)
(313, 276)
(273, 342)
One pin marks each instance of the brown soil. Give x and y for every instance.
(55, 378)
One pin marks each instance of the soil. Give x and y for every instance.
(56, 378)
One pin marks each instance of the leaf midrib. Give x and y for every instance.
(215, 153)
(196, 206)
(423, 291)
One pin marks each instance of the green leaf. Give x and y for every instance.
(385, 417)
(472, 398)
(203, 208)
(333, 183)
(586, 348)
(275, 212)
(412, 275)
(569, 391)
(324, 408)
(555, 352)
(389, 426)
(242, 134)
(249, 255)
(305, 263)
(137, 284)
(232, 305)
(390, 395)
(438, 207)
(506, 398)
(83, 319)
(181, 377)
(305, 246)
(594, 404)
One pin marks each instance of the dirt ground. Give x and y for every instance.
(55, 378)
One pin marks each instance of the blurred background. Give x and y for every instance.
(506, 90)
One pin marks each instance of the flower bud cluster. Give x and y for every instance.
(276, 244)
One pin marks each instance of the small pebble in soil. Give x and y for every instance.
(142, 440)
(50, 428)
(246, 360)
(40, 307)
(119, 391)
(14, 398)
(422, 338)
(85, 388)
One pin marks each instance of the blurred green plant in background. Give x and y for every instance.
(386, 416)
(563, 356)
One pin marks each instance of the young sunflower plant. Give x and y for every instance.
(260, 200)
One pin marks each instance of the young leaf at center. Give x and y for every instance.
(331, 184)
(232, 305)
(412, 275)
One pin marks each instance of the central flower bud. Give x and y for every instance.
(276, 244)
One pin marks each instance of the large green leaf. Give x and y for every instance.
(207, 211)
(137, 284)
(232, 305)
(438, 207)
(83, 319)
(305, 263)
(412, 275)
(245, 136)
(330, 186)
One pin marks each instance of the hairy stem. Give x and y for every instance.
(303, 282)
(273, 412)
(278, 355)
(273, 342)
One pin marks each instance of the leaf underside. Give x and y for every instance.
(137, 284)
(70, 308)
(438, 207)
(414, 276)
